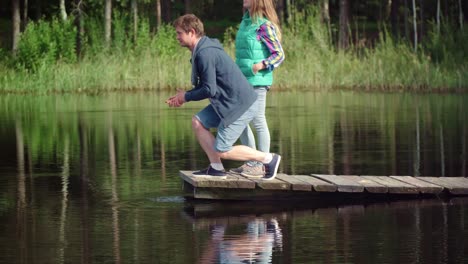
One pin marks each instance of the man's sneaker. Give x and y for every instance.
(240, 169)
(210, 172)
(254, 171)
(272, 168)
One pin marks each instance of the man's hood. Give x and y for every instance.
(206, 42)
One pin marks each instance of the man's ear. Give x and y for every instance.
(193, 32)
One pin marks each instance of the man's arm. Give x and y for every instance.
(177, 100)
(206, 88)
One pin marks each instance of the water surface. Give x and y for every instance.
(94, 179)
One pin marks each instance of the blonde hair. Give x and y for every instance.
(265, 9)
(189, 22)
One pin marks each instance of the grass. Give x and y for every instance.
(311, 63)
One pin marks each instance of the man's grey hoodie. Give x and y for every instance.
(215, 76)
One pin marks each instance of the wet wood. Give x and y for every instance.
(307, 183)
(319, 187)
(343, 183)
(275, 184)
(423, 186)
(295, 183)
(454, 185)
(232, 181)
(316, 184)
(369, 185)
(394, 186)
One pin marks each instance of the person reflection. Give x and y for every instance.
(256, 245)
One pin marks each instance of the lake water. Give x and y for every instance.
(94, 179)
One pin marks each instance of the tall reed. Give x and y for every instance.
(156, 62)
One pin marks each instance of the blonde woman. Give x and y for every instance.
(258, 53)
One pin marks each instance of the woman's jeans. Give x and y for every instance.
(260, 125)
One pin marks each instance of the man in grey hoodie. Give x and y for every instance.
(216, 77)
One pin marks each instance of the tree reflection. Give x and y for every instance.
(84, 172)
(21, 214)
(115, 197)
(417, 151)
(63, 214)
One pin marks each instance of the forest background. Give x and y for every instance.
(94, 46)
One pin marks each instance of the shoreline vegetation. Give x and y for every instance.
(46, 63)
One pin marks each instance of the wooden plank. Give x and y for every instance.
(296, 183)
(317, 185)
(232, 194)
(344, 184)
(232, 181)
(275, 184)
(393, 185)
(454, 185)
(369, 185)
(423, 186)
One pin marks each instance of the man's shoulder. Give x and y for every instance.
(211, 52)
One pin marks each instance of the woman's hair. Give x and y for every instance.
(188, 22)
(266, 9)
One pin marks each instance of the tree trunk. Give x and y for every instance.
(325, 16)
(344, 24)
(421, 18)
(438, 17)
(288, 11)
(460, 14)
(407, 34)
(108, 22)
(25, 13)
(158, 13)
(188, 10)
(135, 20)
(63, 10)
(166, 7)
(280, 10)
(395, 18)
(415, 27)
(388, 8)
(325, 11)
(38, 8)
(79, 27)
(16, 24)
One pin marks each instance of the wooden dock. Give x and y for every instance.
(237, 187)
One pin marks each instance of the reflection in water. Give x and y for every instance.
(418, 231)
(63, 213)
(107, 191)
(255, 245)
(21, 207)
(115, 197)
(442, 156)
(85, 244)
(417, 152)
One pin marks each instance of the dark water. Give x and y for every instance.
(94, 179)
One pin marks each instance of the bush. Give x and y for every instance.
(164, 42)
(45, 42)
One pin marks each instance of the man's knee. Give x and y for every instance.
(222, 155)
(196, 124)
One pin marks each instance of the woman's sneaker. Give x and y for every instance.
(240, 169)
(254, 171)
(210, 172)
(272, 168)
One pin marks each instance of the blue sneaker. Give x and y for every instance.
(272, 168)
(210, 172)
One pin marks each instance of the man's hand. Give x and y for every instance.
(177, 100)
